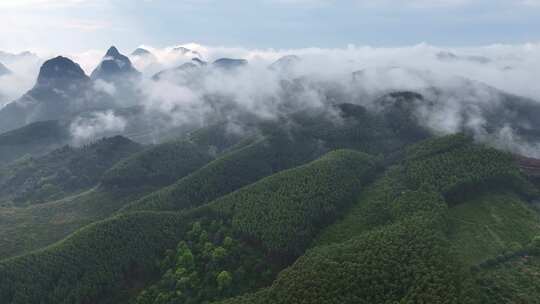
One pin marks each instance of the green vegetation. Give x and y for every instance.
(398, 223)
(490, 225)
(210, 264)
(32, 140)
(62, 172)
(515, 281)
(93, 264)
(110, 254)
(406, 262)
(356, 128)
(156, 166)
(372, 209)
(284, 211)
(437, 145)
(295, 211)
(470, 168)
(229, 173)
(283, 145)
(213, 261)
(26, 229)
(400, 256)
(23, 229)
(165, 163)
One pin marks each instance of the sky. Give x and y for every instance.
(78, 25)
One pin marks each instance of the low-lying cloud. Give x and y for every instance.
(464, 82)
(96, 125)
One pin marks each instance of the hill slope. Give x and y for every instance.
(403, 240)
(28, 228)
(34, 139)
(104, 268)
(61, 172)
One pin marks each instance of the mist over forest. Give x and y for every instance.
(271, 161)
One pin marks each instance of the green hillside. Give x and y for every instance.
(403, 220)
(163, 164)
(92, 264)
(62, 172)
(284, 211)
(294, 211)
(281, 146)
(34, 139)
(514, 281)
(106, 269)
(230, 172)
(23, 229)
(26, 229)
(490, 225)
(408, 262)
(233, 233)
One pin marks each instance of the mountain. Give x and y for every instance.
(4, 70)
(474, 107)
(229, 63)
(61, 73)
(374, 207)
(141, 173)
(412, 229)
(62, 89)
(34, 139)
(186, 70)
(114, 66)
(62, 172)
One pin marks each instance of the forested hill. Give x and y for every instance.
(34, 139)
(65, 170)
(355, 207)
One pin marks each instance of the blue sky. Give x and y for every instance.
(77, 25)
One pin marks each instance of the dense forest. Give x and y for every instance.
(367, 208)
(66, 170)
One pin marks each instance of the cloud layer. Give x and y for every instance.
(312, 77)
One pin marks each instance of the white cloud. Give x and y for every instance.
(85, 129)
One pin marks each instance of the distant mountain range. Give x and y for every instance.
(63, 92)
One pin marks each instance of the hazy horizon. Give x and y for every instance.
(80, 25)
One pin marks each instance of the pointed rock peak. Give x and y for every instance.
(60, 71)
(114, 64)
(113, 52)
